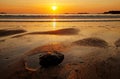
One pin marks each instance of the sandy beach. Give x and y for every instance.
(91, 51)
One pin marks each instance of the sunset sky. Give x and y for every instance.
(63, 6)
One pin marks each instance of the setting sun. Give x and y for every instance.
(54, 8)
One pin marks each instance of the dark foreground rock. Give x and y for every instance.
(50, 59)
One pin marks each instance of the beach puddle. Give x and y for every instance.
(32, 57)
(32, 62)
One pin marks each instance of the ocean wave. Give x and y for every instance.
(59, 20)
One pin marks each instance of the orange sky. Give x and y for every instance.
(64, 6)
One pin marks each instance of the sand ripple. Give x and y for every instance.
(96, 42)
(6, 32)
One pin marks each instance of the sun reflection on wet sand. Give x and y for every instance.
(54, 24)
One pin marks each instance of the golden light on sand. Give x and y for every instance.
(54, 8)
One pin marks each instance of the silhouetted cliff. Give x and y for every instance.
(112, 12)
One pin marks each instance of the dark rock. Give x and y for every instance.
(51, 59)
(112, 12)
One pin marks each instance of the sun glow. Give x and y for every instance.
(54, 8)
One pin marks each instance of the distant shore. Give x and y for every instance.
(106, 12)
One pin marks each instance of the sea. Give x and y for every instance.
(59, 17)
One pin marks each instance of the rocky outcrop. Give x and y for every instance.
(50, 59)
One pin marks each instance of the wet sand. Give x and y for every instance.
(96, 42)
(75, 66)
(88, 57)
(8, 32)
(117, 43)
(66, 31)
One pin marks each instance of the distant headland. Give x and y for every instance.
(3, 13)
(112, 12)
